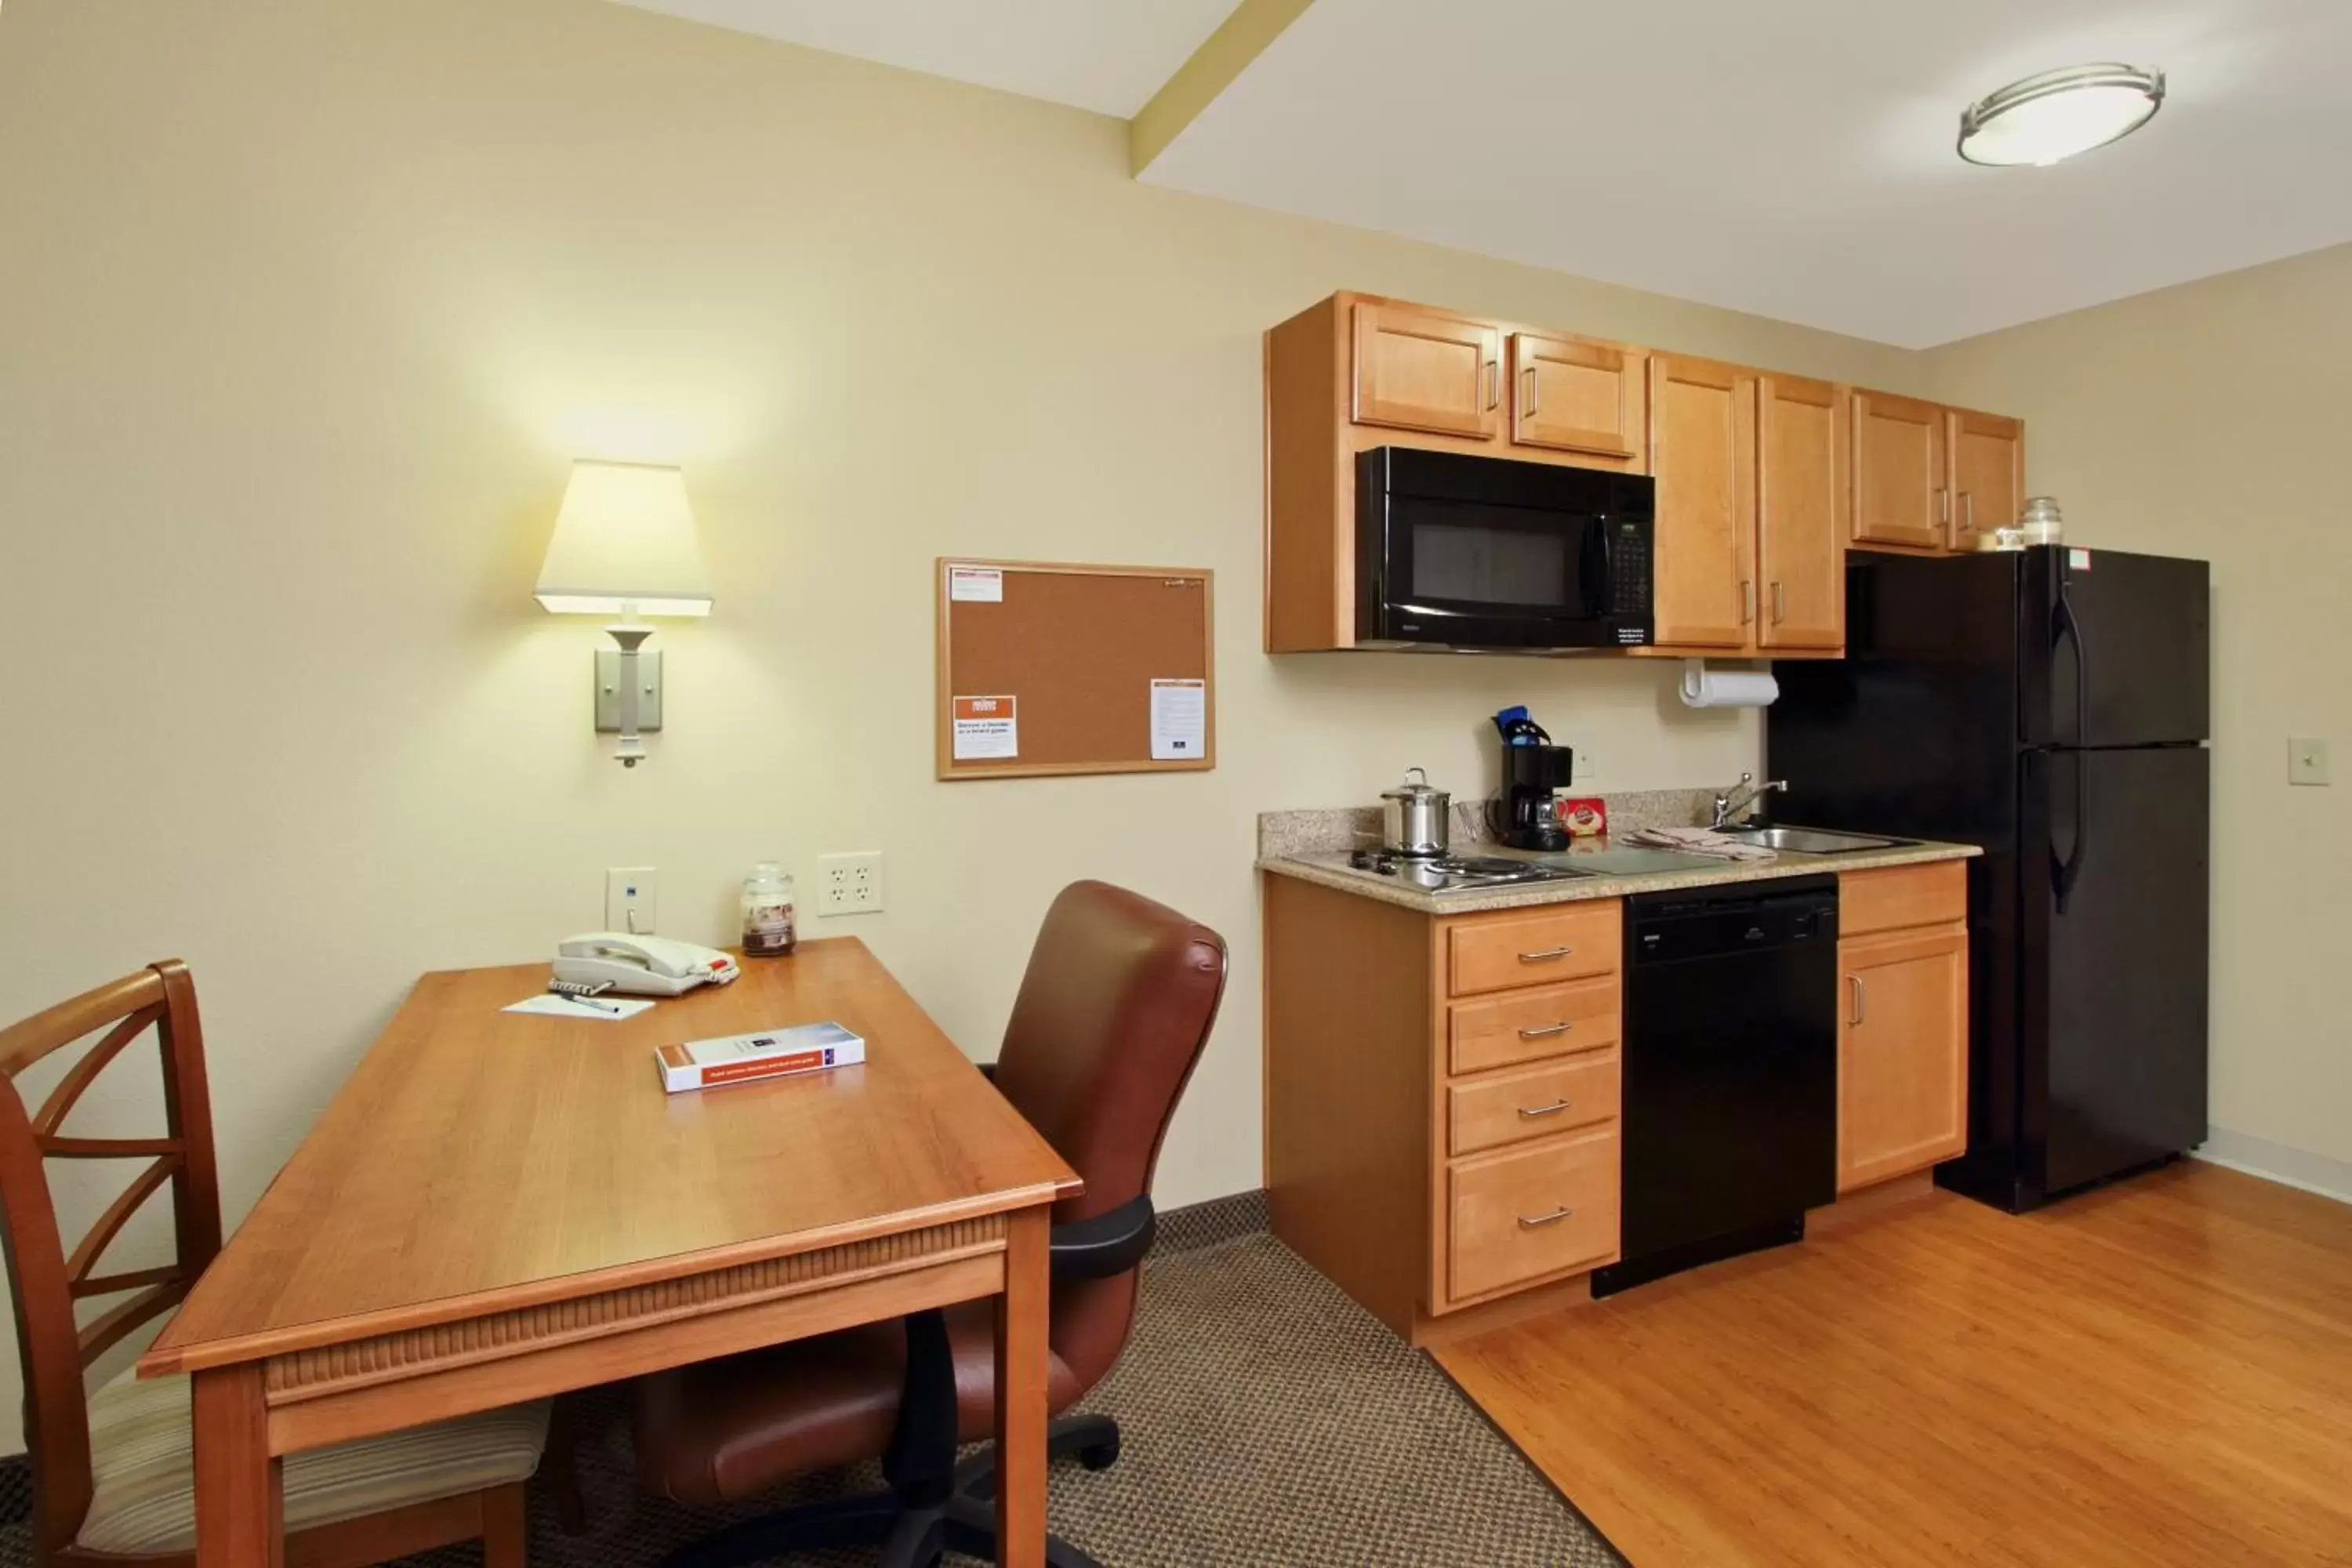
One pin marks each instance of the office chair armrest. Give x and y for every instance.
(1108, 1244)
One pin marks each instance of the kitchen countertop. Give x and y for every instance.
(1576, 890)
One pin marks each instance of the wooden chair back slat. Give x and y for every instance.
(106, 1148)
(101, 1333)
(43, 1278)
(118, 1214)
(116, 1284)
(85, 1071)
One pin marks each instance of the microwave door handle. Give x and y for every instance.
(1597, 585)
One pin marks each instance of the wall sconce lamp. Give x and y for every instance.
(624, 546)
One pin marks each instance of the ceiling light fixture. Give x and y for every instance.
(2059, 113)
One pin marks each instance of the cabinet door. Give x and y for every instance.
(1418, 370)
(1901, 493)
(1703, 451)
(1903, 1056)
(1987, 473)
(1801, 485)
(1570, 394)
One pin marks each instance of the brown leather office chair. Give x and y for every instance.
(114, 1470)
(1116, 1002)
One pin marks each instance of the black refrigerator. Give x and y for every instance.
(2051, 705)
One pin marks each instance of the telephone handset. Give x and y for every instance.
(642, 965)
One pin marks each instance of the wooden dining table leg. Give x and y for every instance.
(1021, 1403)
(240, 1493)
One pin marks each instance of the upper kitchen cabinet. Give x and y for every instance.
(1423, 370)
(1987, 473)
(1801, 496)
(1703, 455)
(1901, 492)
(1580, 396)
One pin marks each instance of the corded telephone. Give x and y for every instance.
(642, 965)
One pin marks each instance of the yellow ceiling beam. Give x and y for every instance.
(1244, 36)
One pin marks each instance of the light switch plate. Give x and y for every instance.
(849, 884)
(2306, 761)
(629, 899)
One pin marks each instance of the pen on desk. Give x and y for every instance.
(612, 1007)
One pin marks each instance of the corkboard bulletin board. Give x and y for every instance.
(1077, 650)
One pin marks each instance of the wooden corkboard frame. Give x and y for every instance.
(1078, 647)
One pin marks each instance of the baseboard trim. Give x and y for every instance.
(1196, 1225)
(2321, 1173)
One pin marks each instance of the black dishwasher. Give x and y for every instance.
(1730, 1072)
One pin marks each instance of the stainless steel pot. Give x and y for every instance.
(1415, 818)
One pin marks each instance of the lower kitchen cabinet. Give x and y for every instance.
(1903, 1053)
(1442, 1099)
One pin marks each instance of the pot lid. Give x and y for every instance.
(1416, 786)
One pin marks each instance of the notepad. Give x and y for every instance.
(548, 1004)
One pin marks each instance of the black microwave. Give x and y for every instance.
(1455, 550)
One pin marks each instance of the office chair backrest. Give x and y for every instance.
(44, 1280)
(1116, 1005)
(1113, 1012)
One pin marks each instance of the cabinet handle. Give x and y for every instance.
(1746, 600)
(1546, 1031)
(1854, 1017)
(1545, 954)
(1537, 1221)
(1493, 382)
(1780, 604)
(1968, 511)
(1529, 372)
(1943, 505)
(1554, 1109)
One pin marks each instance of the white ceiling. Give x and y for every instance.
(1794, 157)
(1110, 55)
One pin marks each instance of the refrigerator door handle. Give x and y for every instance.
(2066, 873)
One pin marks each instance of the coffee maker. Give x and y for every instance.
(1533, 770)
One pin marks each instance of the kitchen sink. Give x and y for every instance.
(1812, 840)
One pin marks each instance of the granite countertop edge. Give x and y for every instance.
(1582, 890)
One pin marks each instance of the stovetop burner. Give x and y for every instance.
(1451, 873)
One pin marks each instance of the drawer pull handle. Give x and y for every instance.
(1554, 1109)
(1545, 954)
(1548, 1030)
(1538, 1221)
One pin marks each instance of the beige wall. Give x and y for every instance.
(2212, 420)
(304, 310)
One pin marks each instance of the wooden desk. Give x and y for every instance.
(499, 1207)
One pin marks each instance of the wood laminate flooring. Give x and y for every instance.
(2155, 1374)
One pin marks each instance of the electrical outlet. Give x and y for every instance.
(849, 884)
(629, 899)
(2306, 761)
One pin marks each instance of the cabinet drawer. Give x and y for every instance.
(1900, 897)
(1558, 1097)
(1544, 1210)
(1528, 1026)
(1569, 941)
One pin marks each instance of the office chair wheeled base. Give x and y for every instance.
(914, 1523)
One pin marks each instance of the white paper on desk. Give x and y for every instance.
(1180, 720)
(611, 1009)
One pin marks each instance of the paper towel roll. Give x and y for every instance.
(1704, 687)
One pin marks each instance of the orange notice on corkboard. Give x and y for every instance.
(1065, 668)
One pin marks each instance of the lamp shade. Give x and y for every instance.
(625, 544)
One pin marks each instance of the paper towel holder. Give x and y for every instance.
(1704, 687)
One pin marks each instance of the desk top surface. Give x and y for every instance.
(480, 1160)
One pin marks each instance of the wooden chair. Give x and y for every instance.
(113, 1475)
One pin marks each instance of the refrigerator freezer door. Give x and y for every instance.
(2113, 649)
(2113, 1025)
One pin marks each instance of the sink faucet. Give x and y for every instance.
(1743, 795)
